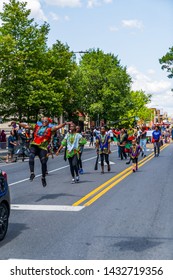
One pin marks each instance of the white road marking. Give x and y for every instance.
(51, 171)
(110, 162)
(31, 207)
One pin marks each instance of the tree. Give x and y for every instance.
(167, 62)
(22, 48)
(103, 85)
(138, 106)
(63, 66)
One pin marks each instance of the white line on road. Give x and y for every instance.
(46, 207)
(51, 171)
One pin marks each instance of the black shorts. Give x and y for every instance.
(135, 160)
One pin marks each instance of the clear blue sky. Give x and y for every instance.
(139, 32)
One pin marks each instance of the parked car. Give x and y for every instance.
(4, 204)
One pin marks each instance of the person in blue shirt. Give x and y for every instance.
(156, 137)
(11, 145)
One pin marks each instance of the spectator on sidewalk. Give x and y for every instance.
(3, 139)
(11, 145)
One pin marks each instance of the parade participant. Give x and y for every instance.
(172, 133)
(116, 134)
(91, 138)
(134, 152)
(72, 141)
(81, 148)
(156, 137)
(103, 148)
(143, 140)
(122, 143)
(42, 133)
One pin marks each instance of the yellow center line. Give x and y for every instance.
(104, 184)
(115, 181)
(118, 181)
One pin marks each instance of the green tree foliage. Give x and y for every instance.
(103, 85)
(138, 108)
(167, 62)
(34, 79)
(22, 46)
(63, 66)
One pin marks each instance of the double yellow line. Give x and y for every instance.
(92, 196)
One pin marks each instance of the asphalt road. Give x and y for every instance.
(128, 217)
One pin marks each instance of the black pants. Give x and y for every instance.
(157, 148)
(73, 161)
(135, 160)
(42, 154)
(122, 152)
(104, 157)
(80, 161)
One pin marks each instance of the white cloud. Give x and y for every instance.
(1, 4)
(93, 3)
(146, 83)
(108, 1)
(54, 16)
(132, 23)
(36, 10)
(151, 71)
(64, 3)
(96, 3)
(162, 97)
(33, 5)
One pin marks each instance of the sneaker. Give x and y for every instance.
(77, 179)
(134, 170)
(142, 154)
(43, 180)
(109, 168)
(81, 171)
(73, 181)
(32, 176)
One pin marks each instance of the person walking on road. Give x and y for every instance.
(156, 138)
(81, 148)
(42, 133)
(103, 148)
(143, 140)
(122, 143)
(72, 143)
(134, 152)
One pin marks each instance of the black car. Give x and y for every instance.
(4, 204)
